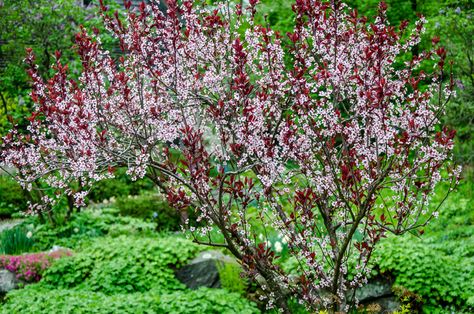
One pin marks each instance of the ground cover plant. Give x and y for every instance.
(89, 224)
(330, 140)
(125, 274)
(438, 267)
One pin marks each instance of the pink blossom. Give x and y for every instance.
(319, 139)
(30, 267)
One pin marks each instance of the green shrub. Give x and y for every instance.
(139, 205)
(205, 300)
(439, 278)
(120, 186)
(123, 265)
(230, 277)
(86, 225)
(439, 266)
(12, 199)
(15, 241)
(150, 206)
(35, 299)
(460, 116)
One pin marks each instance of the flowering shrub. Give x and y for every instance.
(329, 140)
(30, 267)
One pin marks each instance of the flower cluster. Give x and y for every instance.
(30, 267)
(330, 136)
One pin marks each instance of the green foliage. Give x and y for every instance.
(123, 275)
(230, 277)
(439, 278)
(138, 206)
(12, 197)
(120, 186)
(35, 299)
(439, 266)
(278, 14)
(15, 106)
(398, 10)
(404, 309)
(460, 116)
(15, 241)
(454, 24)
(86, 225)
(150, 206)
(123, 265)
(45, 26)
(207, 300)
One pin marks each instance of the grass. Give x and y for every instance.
(15, 241)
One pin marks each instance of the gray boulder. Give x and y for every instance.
(374, 289)
(203, 271)
(377, 296)
(8, 281)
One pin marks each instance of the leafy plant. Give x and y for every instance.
(454, 23)
(12, 199)
(16, 241)
(119, 187)
(35, 299)
(439, 267)
(206, 300)
(123, 265)
(440, 279)
(152, 207)
(84, 226)
(124, 275)
(230, 275)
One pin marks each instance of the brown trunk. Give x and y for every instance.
(4, 103)
(414, 7)
(70, 207)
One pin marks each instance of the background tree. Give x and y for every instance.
(44, 26)
(454, 23)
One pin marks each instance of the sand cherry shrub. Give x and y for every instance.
(327, 138)
(30, 267)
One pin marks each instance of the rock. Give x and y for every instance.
(203, 270)
(377, 296)
(57, 248)
(201, 274)
(8, 281)
(374, 289)
(389, 304)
